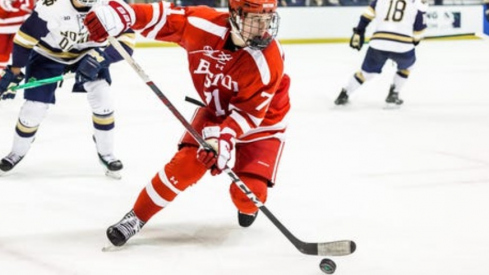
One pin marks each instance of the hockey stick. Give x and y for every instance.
(336, 248)
(36, 83)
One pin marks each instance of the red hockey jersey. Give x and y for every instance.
(11, 21)
(246, 87)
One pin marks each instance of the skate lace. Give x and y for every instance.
(130, 225)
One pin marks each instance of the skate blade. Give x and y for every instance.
(342, 106)
(111, 248)
(113, 174)
(392, 106)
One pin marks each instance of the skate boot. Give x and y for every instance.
(9, 162)
(393, 99)
(122, 231)
(245, 220)
(342, 98)
(112, 165)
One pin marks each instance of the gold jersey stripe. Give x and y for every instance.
(65, 55)
(129, 39)
(24, 40)
(24, 129)
(103, 120)
(360, 76)
(369, 13)
(404, 72)
(390, 36)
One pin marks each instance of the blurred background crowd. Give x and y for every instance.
(308, 3)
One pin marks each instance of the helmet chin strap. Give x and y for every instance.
(236, 35)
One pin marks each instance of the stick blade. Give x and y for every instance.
(337, 248)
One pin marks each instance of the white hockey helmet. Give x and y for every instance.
(88, 3)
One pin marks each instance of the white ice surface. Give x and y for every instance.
(410, 186)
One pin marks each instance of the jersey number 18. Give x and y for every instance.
(396, 10)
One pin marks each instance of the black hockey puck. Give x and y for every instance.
(327, 266)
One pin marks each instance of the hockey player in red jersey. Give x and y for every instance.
(12, 14)
(237, 68)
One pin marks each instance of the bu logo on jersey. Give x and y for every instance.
(215, 79)
(217, 55)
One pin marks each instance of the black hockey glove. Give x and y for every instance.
(8, 80)
(357, 39)
(91, 65)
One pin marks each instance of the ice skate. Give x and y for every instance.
(112, 165)
(342, 98)
(9, 162)
(119, 233)
(393, 101)
(245, 220)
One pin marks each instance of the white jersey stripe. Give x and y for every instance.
(12, 20)
(282, 125)
(154, 18)
(166, 8)
(261, 63)
(208, 26)
(155, 197)
(241, 121)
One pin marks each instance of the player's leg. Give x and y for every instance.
(247, 211)
(33, 110)
(256, 165)
(100, 101)
(30, 117)
(182, 171)
(405, 63)
(372, 65)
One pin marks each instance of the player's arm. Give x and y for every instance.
(128, 40)
(153, 20)
(26, 38)
(257, 89)
(248, 109)
(419, 27)
(112, 18)
(99, 59)
(24, 41)
(7, 6)
(358, 37)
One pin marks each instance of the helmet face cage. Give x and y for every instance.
(256, 29)
(88, 3)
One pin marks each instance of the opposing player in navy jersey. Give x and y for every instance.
(399, 28)
(51, 42)
(486, 9)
